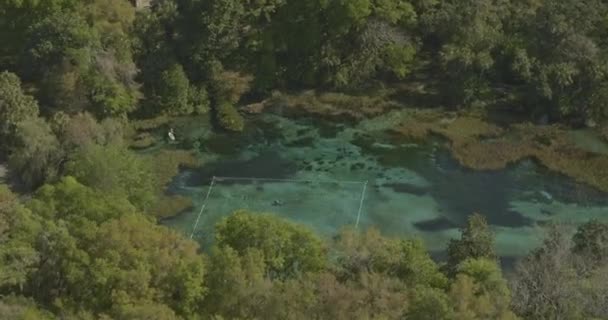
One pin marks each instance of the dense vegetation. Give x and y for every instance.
(82, 242)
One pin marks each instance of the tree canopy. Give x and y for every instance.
(78, 79)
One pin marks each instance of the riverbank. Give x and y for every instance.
(167, 161)
(473, 140)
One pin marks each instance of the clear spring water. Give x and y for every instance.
(413, 190)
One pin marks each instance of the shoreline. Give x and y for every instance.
(473, 140)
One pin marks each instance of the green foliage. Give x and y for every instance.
(399, 58)
(115, 170)
(16, 16)
(402, 12)
(560, 54)
(140, 261)
(476, 241)
(287, 249)
(124, 258)
(36, 154)
(480, 292)
(591, 241)
(229, 118)
(78, 204)
(15, 106)
(235, 281)
(172, 91)
(488, 277)
(20, 308)
(81, 130)
(199, 99)
(471, 302)
(108, 96)
(429, 304)
(80, 58)
(145, 312)
(82, 248)
(403, 259)
(470, 32)
(17, 255)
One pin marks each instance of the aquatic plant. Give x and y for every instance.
(142, 140)
(480, 145)
(150, 124)
(169, 206)
(334, 105)
(456, 128)
(167, 164)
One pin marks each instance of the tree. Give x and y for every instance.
(171, 94)
(545, 282)
(470, 33)
(237, 283)
(70, 201)
(429, 304)
(21, 308)
(15, 106)
(288, 249)
(18, 229)
(60, 39)
(81, 59)
(140, 261)
(229, 118)
(115, 170)
(227, 89)
(35, 156)
(16, 17)
(476, 241)
(371, 296)
(557, 55)
(81, 130)
(151, 311)
(591, 243)
(124, 263)
(406, 260)
(124, 259)
(480, 291)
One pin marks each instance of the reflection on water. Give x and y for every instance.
(412, 189)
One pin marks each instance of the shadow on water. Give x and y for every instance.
(460, 191)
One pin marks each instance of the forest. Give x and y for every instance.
(82, 82)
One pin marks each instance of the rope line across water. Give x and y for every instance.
(203, 207)
(219, 179)
(289, 180)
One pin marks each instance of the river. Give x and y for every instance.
(328, 175)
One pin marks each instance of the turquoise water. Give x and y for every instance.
(358, 174)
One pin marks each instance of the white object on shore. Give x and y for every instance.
(171, 135)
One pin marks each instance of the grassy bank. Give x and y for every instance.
(167, 164)
(330, 104)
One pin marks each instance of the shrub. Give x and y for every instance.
(229, 118)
